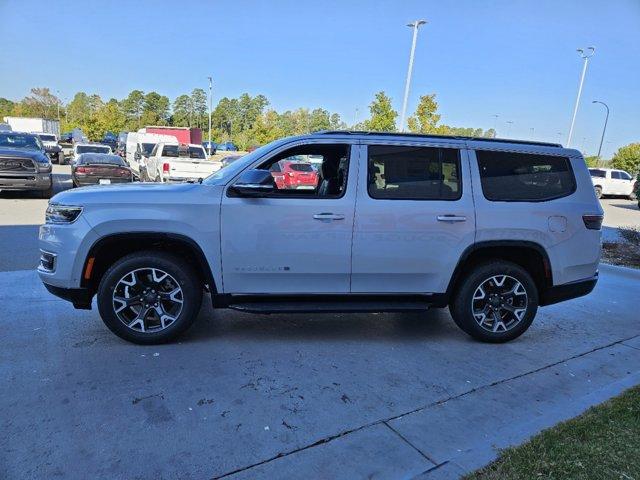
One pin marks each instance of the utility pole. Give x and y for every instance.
(585, 56)
(210, 105)
(606, 119)
(415, 25)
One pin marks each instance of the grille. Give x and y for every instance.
(16, 164)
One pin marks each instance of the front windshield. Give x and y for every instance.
(20, 140)
(92, 149)
(224, 174)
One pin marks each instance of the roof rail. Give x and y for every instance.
(452, 137)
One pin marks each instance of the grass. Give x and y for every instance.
(603, 443)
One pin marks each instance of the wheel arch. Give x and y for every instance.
(530, 255)
(110, 248)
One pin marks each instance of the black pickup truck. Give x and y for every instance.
(24, 165)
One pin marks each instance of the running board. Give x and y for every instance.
(331, 304)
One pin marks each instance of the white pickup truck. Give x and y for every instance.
(179, 163)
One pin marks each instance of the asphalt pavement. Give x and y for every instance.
(289, 396)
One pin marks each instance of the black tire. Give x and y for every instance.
(598, 192)
(184, 275)
(461, 304)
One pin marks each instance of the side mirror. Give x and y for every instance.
(254, 183)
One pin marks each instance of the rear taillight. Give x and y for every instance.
(122, 172)
(291, 174)
(165, 168)
(81, 170)
(593, 222)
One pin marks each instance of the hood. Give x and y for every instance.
(36, 155)
(134, 193)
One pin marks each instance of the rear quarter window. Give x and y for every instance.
(597, 173)
(524, 177)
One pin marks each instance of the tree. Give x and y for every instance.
(627, 158)
(591, 161)
(199, 107)
(132, 106)
(383, 116)
(182, 111)
(155, 109)
(6, 108)
(41, 103)
(425, 119)
(109, 118)
(78, 111)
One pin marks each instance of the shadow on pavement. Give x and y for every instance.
(628, 206)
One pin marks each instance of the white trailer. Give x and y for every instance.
(34, 125)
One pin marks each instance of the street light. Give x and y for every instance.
(210, 102)
(415, 26)
(585, 56)
(510, 123)
(495, 120)
(606, 119)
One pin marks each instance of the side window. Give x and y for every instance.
(616, 175)
(314, 170)
(154, 151)
(597, 173)
(414, 173)
(625, 176)
(524, 177)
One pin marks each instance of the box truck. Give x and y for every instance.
(183, 134)
(34, 125)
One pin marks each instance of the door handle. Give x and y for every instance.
(327, 216)
(451, 218)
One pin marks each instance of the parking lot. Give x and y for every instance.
(298, 396)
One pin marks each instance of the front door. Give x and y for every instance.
(414, 218)
(297, 240)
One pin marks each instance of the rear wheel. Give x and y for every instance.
(598, 192)
(149, 297)
(496, 302)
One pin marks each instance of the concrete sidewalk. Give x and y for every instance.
(297, 396)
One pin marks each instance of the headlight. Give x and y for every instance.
(62, 213)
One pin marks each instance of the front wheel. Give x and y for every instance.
(496, 302)
(149, 297)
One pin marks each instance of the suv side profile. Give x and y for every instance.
(493, 229)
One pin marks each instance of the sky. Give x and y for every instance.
(513, 58)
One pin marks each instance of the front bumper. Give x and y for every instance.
(567, 291)
(25, 181)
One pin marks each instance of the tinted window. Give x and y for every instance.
(147, 148)
(414, 173)
(92, 149)
(197, 152)
(301, 167)
(616, 175)
(625, 176)
(170, 151)
(99, 159)
(508, 176)
(597, 173)
(48, 138)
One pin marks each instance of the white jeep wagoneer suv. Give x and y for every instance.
(491, 228)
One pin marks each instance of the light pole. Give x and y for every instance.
(606, 119)
(415, 25)
(210, 104)
(510, 123)
(355, 120)
(585, 56)
(495, 120)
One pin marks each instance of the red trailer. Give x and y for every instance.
(183, 134)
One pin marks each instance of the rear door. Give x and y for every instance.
(414, 217)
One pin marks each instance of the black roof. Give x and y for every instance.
(437, 137)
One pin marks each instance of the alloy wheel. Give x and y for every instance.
(147, 300)
(499, 303)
